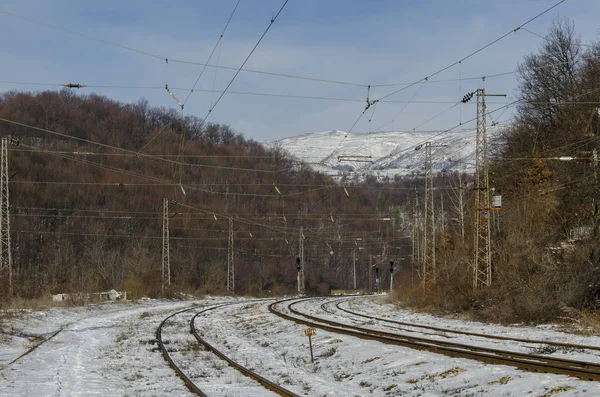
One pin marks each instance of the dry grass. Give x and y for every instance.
(21, 304)
(502, 381)
(556, 390)
(583, 321)
(451, 373)
(370, 360)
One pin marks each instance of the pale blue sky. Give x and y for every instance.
(362, 42)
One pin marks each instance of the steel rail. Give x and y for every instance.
(448, 330)
(245, 371)
(533, 363)
(274, 387)
(187, 381)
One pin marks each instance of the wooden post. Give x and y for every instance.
(370, 283)
(310, 332)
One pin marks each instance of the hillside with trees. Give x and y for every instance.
(545, 255)
(88, 177)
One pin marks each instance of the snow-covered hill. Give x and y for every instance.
(391, 153)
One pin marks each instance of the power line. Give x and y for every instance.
(141, 155)
(246, 60)
(426, 78)
(476, 51)
(163, 58)
(211, 54)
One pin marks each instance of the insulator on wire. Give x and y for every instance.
(173, 96)
(467, 97)
(71, 85)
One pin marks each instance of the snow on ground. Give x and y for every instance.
(389, 311)
(211, 374)
(103, 350)
(109, 349)
(348, 366)
(546, 332)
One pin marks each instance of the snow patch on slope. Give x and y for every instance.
(388, 153)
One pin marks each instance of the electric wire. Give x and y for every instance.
(131, 151)
(444, 69)
(172, 60)
(273, 19)
(476, 51)
(212, 53)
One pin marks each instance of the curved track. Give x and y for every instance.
(452, 331)
(529, 362)
(267, 384)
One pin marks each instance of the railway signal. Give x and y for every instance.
(298, 265)
(391, 275)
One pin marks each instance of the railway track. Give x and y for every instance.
(446, 331)
(267, 384)
(529, 362)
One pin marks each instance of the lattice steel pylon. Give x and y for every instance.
(429, 229)
(166, 261)
(230, 264)
(416, 238)
(482, 263)
(5, 251)
(301, 285)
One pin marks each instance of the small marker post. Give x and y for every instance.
(310, 332)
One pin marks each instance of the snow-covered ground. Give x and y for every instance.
(109, 350)
(383, 153)
(103, 350)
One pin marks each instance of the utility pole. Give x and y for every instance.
(370, 283)
(429, 235)
(482, 263)
(166, 262)
(301, 285)
(391, 276)
(230, 265)
(354, 261)
(5, 252)
(416, 238)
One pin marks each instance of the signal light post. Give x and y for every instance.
(300, 263)
(391, 275)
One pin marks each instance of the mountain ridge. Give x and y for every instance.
(382, 154)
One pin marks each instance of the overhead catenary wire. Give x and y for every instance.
(403, 107)
(273, 19)
(477, 51)
(171, 59)
(426, 78)
(212, 53)
(149, 156)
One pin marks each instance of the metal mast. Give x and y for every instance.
(482, 263)
(166, 262)
(416, 237)
(301, 286)
(5, 253)
(230, 266)
(429, 232)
